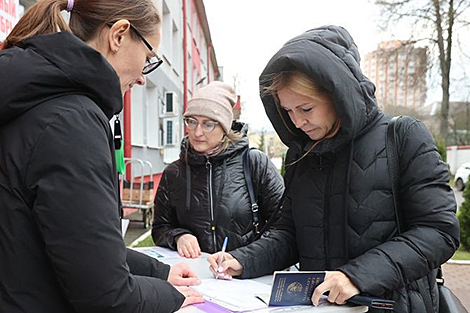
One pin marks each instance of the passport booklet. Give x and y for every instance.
(294, 288)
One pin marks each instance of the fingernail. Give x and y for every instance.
(220, 269)
(198, 282)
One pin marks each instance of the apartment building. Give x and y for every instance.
(398, 70)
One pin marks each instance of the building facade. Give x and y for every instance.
(153, 123)
(398, 70)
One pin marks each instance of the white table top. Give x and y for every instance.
(201, 267)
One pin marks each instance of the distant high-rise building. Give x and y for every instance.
(398, 70)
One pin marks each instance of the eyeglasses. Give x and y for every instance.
(150, 64)
(207, 126)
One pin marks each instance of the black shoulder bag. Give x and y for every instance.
(448, 302)
(251, 192)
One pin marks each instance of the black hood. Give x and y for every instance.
(330, 57)
(48, 66)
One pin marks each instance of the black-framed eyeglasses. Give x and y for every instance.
(207, 126)
(150, 64)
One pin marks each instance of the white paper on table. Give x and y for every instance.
(158, 252)
(236, 294)
(124, 225)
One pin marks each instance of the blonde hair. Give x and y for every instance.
(86, 18)
(302, 84)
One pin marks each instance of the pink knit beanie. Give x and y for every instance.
(214, 101)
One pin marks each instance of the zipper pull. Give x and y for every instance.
(117, 133)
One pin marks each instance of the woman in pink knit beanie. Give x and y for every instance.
(203, 197)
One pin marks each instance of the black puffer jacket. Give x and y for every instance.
(216, 189)
(339, 212)
(61, 248)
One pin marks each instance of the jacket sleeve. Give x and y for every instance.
(165, 226)
(73, 176)
(143, 265)
(275, 250)
(268, 181)
(428, 207)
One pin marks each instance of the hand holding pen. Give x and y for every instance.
(223, 265)
(221, 258)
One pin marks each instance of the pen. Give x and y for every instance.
(224, 246)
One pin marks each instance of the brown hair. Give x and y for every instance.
(86, 18)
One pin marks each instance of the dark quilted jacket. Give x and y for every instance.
(175, 214)
(61, 247)
(339, 212)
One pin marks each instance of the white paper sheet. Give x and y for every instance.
(237, 294)
(124, 225)
(159, 252)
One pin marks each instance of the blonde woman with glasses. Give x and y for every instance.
(203, 197)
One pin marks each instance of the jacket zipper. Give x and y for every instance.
(211, 203)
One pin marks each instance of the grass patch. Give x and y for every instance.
(147, 242)
(461, 255)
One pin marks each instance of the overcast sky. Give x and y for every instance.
(247, 33)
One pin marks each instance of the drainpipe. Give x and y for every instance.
(209, 49)
(185, 59)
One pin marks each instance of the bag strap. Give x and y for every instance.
(394, 168)
(289, 174)
(249, 185)
(393, 161)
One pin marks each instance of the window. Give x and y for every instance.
(171, 103)
(169, 132)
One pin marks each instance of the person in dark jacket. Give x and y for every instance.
(339, 213)
(61, 248)
(196, 214)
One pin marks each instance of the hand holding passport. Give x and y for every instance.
(296, 288)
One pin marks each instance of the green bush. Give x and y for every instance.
(441, 148)
(464, 220)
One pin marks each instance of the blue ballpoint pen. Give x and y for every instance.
(221, 258)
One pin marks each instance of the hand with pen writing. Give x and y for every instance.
(338, 285)
(228, 268)
(188, 246)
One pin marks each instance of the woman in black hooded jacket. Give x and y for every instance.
(203, 197)
(61, 247)
(339, 213)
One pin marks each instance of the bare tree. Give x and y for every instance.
(434, 21)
